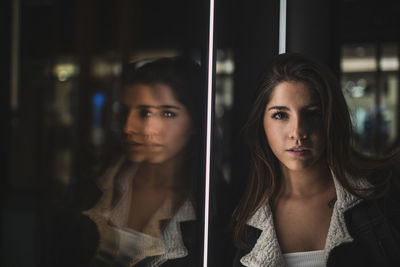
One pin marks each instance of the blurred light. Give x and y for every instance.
(359, 118)
(97, 130)
(117, 69)
(366, 64)
(389, 64)
(65, 71)
(225, 66)
(356, 90)
(224, 63)
(98, 99)
(62, 75)
(102, 68)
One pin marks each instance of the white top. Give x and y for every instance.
(313, 258)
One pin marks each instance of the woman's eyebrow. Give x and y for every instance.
(157, 107)
(278, 108)
(313, 105)
(310, 106)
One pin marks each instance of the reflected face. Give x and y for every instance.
(157, 125)
(293, 126)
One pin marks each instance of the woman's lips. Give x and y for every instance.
(298, 151)
(136, 145)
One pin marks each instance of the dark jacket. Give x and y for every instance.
(374, 228)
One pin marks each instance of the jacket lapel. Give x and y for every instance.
(266, 251)
(338, 232)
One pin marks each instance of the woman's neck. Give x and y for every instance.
(166, 175)
(307, 182)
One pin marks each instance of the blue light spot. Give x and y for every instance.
(98, 99)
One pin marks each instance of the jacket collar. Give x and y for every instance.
(173, 237)
(266, 251)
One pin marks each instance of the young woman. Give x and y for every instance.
(145, 213)
(311, 199)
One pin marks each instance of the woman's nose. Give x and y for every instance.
(132, 124)
(146, 127)
(299, 128)
(151, 126)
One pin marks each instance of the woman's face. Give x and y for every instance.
(157, 125)
(293, 126)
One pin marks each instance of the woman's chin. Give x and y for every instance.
(136, 158)
(298, 166)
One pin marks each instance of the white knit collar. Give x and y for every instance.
(266, 251)
(172, 235)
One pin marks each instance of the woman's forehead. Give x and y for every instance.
(293, 93)
(152, 94)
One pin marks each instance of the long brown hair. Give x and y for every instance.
(344, 161)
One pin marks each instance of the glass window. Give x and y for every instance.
(108, 119)
(370, 84)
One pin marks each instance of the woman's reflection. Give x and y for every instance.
(146, 214)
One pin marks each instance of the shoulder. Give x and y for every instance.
(386, 207)
(375, 225)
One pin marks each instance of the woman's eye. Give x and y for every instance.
(144, 113)
(279, 115)
(169, 114)
(314, 114)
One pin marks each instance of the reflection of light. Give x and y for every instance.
(358, 64)
(62, 75)
(102, 68)
(226, 66)
(98, 99)
(356, 90)
(97, 131)
(65, 71)
(208, 133)
(117, 69)
(224, 63)
(360, 115)
(369, 64)
(389, 63)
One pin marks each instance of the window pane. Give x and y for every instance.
(106, 149)
(370, 84)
